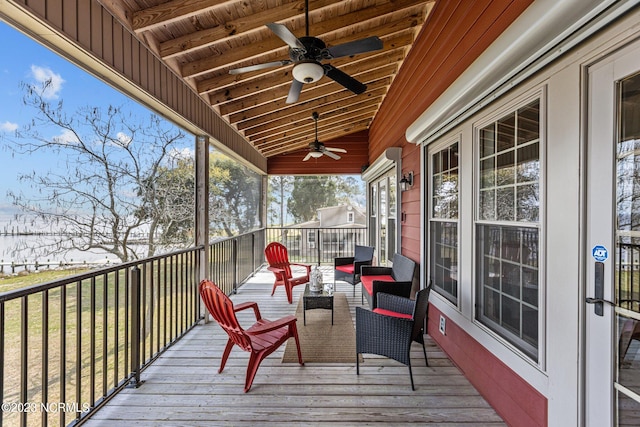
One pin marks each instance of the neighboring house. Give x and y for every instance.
(334, 233)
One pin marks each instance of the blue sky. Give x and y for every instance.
(25, 61)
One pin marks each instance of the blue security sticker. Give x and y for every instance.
(600, 253)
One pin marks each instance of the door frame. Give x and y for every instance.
(599, 363)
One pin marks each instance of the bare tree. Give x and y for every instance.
(103, 193)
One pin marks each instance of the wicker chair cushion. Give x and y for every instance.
(367, 281)
(348, 268)
(392, 313)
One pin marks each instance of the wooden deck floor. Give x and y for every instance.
(183, 388)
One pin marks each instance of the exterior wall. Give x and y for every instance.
(337, 216)
(523, 392)
(431, 66)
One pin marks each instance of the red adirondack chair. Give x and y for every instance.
(278, 259)
(261, 339)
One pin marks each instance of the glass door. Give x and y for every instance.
(382, 216)
(612, 376)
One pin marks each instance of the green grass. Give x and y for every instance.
(10, 282)
(109, 366)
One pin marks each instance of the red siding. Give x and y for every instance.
(455, 34)
(513, 398)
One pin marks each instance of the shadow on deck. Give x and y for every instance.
(183, 387)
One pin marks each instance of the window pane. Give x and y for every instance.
(492, 305)
(454, 156)
(437, 185)
(530, 286)
(528, 168)
(487, 141)
(436, 163)
(444, 259)
(488, 205)
(529, 122)
(505, 174)
(530, 325)
(487, 173)
(511, 279)
(506, 133)
(527, 202)
(504, 204)
(511, 315)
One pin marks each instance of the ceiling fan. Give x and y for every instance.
(317, 149)
(307, 52)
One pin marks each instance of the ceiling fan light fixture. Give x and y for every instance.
(308, 72)
(316, 154)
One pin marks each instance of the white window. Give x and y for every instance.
(443, 221)
(507, 227)
(350, 217)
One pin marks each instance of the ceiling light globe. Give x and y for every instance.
(308, 72)
(316, 154)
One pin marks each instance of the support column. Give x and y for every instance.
(202, 209)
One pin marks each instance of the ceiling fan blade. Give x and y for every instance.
(330, 154)
(294, 91)
(307, 157)
(356, 47)
(344, 79)
(335, 150)
(286, 36)
(259, 66)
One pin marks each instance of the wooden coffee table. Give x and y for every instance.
(312, 300)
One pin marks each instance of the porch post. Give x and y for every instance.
(202, 210)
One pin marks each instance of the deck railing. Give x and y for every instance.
(317, 245)
(68, 346)
(628, 276)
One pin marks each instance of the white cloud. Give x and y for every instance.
(124, 139)
(8, 127)
(66, 137)
(182, 153)
(46, 76)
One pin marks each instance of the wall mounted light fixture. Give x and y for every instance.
(406, 182)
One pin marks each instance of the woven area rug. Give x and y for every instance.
(320, 341)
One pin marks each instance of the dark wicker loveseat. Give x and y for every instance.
(396, 280)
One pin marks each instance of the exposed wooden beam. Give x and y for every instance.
(265, 87)
(293, 120)
(301, 144)
(221, 58)
(299, 111)
(280, 105)
(172, 11)
(277, 98)
(210, 36)
(394, 51)
(368, 108)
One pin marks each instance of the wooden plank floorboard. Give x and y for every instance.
(183, 387)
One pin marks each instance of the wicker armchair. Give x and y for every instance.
(348, 268)
(390, 329)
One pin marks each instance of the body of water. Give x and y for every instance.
(26, 249)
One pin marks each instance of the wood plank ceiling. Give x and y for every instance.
(201, 40)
